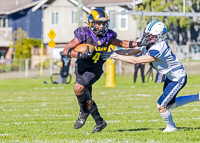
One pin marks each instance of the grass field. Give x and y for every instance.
(31, 111)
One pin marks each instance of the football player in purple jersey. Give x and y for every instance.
(88, 68)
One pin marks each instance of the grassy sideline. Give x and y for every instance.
(31, 111)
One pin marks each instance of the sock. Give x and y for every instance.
(82, 100)
(167, 116)
(184, 100)
(95, 114)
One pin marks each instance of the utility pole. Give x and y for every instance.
(80, 13)
(133, 5)
(183, 6)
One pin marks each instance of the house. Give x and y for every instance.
(61, 17)
(15, 14)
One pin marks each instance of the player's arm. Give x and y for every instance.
(134, 60)
(124, 43)
(68, 50)
(128, 52)
(129, 44)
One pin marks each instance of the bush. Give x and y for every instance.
(46, 64)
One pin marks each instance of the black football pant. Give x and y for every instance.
(137, 66)
(87, 77)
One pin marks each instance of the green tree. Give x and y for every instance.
(19, 37)
(179, 24)
(23, 44)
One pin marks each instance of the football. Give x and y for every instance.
(82, 47)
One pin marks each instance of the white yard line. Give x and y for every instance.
(5, 134)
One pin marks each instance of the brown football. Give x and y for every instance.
(82, 47)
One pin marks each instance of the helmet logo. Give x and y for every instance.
(164, 30)
(97, 17)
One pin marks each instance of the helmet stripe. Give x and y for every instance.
(95, 14)
(106, 16)
(101, 14)
(152, 25)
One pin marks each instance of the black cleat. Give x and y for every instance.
(81, 120)
(98, 128)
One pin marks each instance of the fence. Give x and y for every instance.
(21, 68)
(24, 68)
(190, 51)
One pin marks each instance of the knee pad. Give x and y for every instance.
(78, 89)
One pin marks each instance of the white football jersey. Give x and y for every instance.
(166, 62)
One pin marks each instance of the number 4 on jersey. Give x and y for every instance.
(96, 57)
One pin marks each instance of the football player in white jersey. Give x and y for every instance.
(159, 55)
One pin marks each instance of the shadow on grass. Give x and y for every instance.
(161, 129)
(132, 130)
(188, 128)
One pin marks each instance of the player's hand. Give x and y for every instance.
(108, 55)
(86, 54)
(144, 42)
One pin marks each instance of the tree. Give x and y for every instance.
(23, 44)
(19, 37)
(178, 27)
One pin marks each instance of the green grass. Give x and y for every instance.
(31, 111)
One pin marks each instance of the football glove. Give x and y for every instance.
(86, 54)
(108, 55)
(144, 42)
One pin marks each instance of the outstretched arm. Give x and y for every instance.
(124, 44)
(128, 52)
(134, 60)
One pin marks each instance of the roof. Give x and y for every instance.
(11, 6)
(102, 3)
(42, 2)
(92, 3)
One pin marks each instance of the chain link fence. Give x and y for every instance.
(29, 68)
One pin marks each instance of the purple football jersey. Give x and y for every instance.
(85, 35)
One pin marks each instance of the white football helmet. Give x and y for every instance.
(156, 28)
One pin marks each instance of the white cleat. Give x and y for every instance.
(169, 129)
(199, 95)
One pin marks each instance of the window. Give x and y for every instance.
(3, 22)
(74, 17)
(123, 21)
(3, 54)
(112, 19)
(54, 18)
